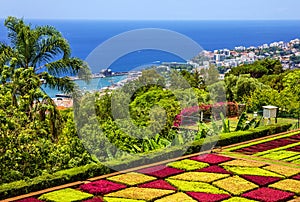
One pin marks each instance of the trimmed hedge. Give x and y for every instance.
(47, 180)
(82, 173)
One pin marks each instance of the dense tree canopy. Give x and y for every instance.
(258, 68)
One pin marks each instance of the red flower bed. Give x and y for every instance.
(29, 200)
(190, 115)
(214, 169)
(158, 184)
(295, 149)
(211, 158)
(268, 195)
(297, 177)
(261, 180)
(161, 171)
(101, 187)
(208, 197)
(94, 200)
(266, 146)
(297, 137)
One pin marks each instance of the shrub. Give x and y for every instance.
(191, 115)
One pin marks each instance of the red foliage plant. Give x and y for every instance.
(190, 115)
(94, 200)
(29, 200)
(208, 197)
(101, 187)
(214, 169)
(158, 184)
(261, 180)
(161, 171)
(211, 158)
(268, 195)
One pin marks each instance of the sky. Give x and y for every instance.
(152, 9)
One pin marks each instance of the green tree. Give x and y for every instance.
(44, 49)
(36, 57)
(210, 75)
(259, 68)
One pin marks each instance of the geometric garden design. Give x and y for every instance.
(223, 176)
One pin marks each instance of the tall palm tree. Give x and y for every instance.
(33, 57)
(45, 50)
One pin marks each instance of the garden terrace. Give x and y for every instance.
(197, 177)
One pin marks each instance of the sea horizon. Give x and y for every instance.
(85, 35)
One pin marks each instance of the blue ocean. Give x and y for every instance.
(85, 35)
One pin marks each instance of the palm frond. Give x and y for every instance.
(49, 48)
(68, 66)
(64, 84)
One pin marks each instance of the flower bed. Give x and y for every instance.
(283, 170)
(65, 195)
(178, 197)
(188, 165)
(161, 171)
(131, 178)
(140, 193)
(29, 200)
(239, 199)
(287, 185)
(235, 185)
(211, 158)
(268, 194)
(251, 171)
(261, 180)
(187, 186)
(199, 176)
(278, 155)
(109, 199)
(214, 169)
(230, 108)
(232, 180)
(158, 184)
(244, 163)
(101, 187)
(208, 197)
(96, 199)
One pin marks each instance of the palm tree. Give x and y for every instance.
(37, 56)
(45, 50)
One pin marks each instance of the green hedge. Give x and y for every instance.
(50, 180)
(82, 173)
